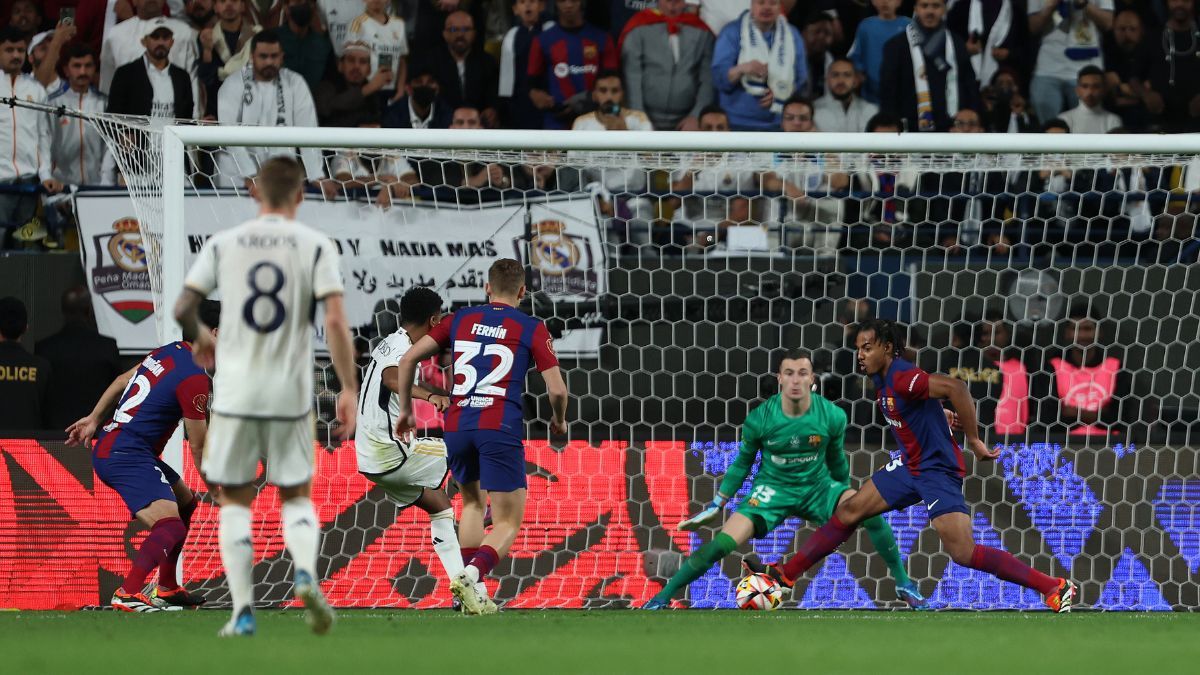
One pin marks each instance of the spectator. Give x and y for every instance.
(805, 183)
(306, 49)
(1128, 66)
(667, 56)
(268, 95)
(26, 17)
(431, 19)
(82, 361)
(1056, 126)
(927, 74)
(336, 16)
(123, 42)
(24, 137)
(841, 110)
(873, 33)
(884, 212)
(420, 107)
(76, 147)
(516, 109)
(347, 97)
(388, 40)
(473, 174)
(711, 199)
(818, 40)
(199, 14)
(153, 86)
(758, 63)
(1176, 75)
(1070, 31)
(224, 47)
(1005, 107)
(564, 62)
(986, 27)
(467, 73)
(622, 190)
(1090, 117)
(24, 378)
(997, 378)
(1082, 385)
(45, 50)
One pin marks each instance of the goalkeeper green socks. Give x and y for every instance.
(885, 545)
(698, 563)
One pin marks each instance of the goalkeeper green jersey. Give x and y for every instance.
(798, 453)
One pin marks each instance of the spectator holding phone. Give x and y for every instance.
(389, 43)
(1070, 31)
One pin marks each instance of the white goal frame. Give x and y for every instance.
(176, 139)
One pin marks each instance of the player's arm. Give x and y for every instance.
(197, 434)
(440, 398)
(341, 350)
(81, 432)
(835, 450)
(735, 475)
(956, 391)
(546, 361)
(406, 370)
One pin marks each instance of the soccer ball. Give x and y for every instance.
(759, 591)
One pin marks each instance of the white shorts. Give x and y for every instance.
(424, 468)
(235, 446)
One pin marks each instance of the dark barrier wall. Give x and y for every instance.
(601, 530)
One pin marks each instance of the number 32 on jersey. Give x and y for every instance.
(477, 381)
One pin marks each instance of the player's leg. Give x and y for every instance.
(737, 531)
(231, 463)
(290, 468)
(954, 529)
(884, 541)
(169, 590)
(441, 529)
(865, 503)
(470, 533)
(145, 490)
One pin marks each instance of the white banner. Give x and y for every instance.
(384, 253)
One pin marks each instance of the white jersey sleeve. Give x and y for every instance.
(379, 451)
(271, 272)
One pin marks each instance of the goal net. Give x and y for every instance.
(1055, 275)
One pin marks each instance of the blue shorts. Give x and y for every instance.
(139, 477)
(941, 491)
(494, 458)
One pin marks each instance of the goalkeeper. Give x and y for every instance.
(803, 473)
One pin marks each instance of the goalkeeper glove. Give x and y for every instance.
(706, 516)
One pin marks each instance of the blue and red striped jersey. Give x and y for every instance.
(917, 421)
(494, 345)
(567, 61)
(167, 386)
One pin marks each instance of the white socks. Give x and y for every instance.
(237, 555)
(301, 534)
(445, 542)
(472, 573)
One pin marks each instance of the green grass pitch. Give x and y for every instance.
(606, 641)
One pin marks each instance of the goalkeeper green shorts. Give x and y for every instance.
(767, 506)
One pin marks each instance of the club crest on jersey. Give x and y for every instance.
(562, 263)
(814, 441)
(120, 274)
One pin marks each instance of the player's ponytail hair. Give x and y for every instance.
(886, 332)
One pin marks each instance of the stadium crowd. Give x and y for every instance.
(1099, 66)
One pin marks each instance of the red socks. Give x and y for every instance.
(1004, 565)
(484, 560)
(468, 552)
(163, 538)
(820, 544)
(167, 571)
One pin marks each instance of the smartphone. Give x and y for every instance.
(385, 61)
(66, 15)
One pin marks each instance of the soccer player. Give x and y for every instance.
(803, 473)
(493, 346)
(271, 271)
(930, 471)
(410, 470)
(143, 407)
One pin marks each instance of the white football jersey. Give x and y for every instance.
(337, 16)
(271, 272)
(379, 451)
(385, 38)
